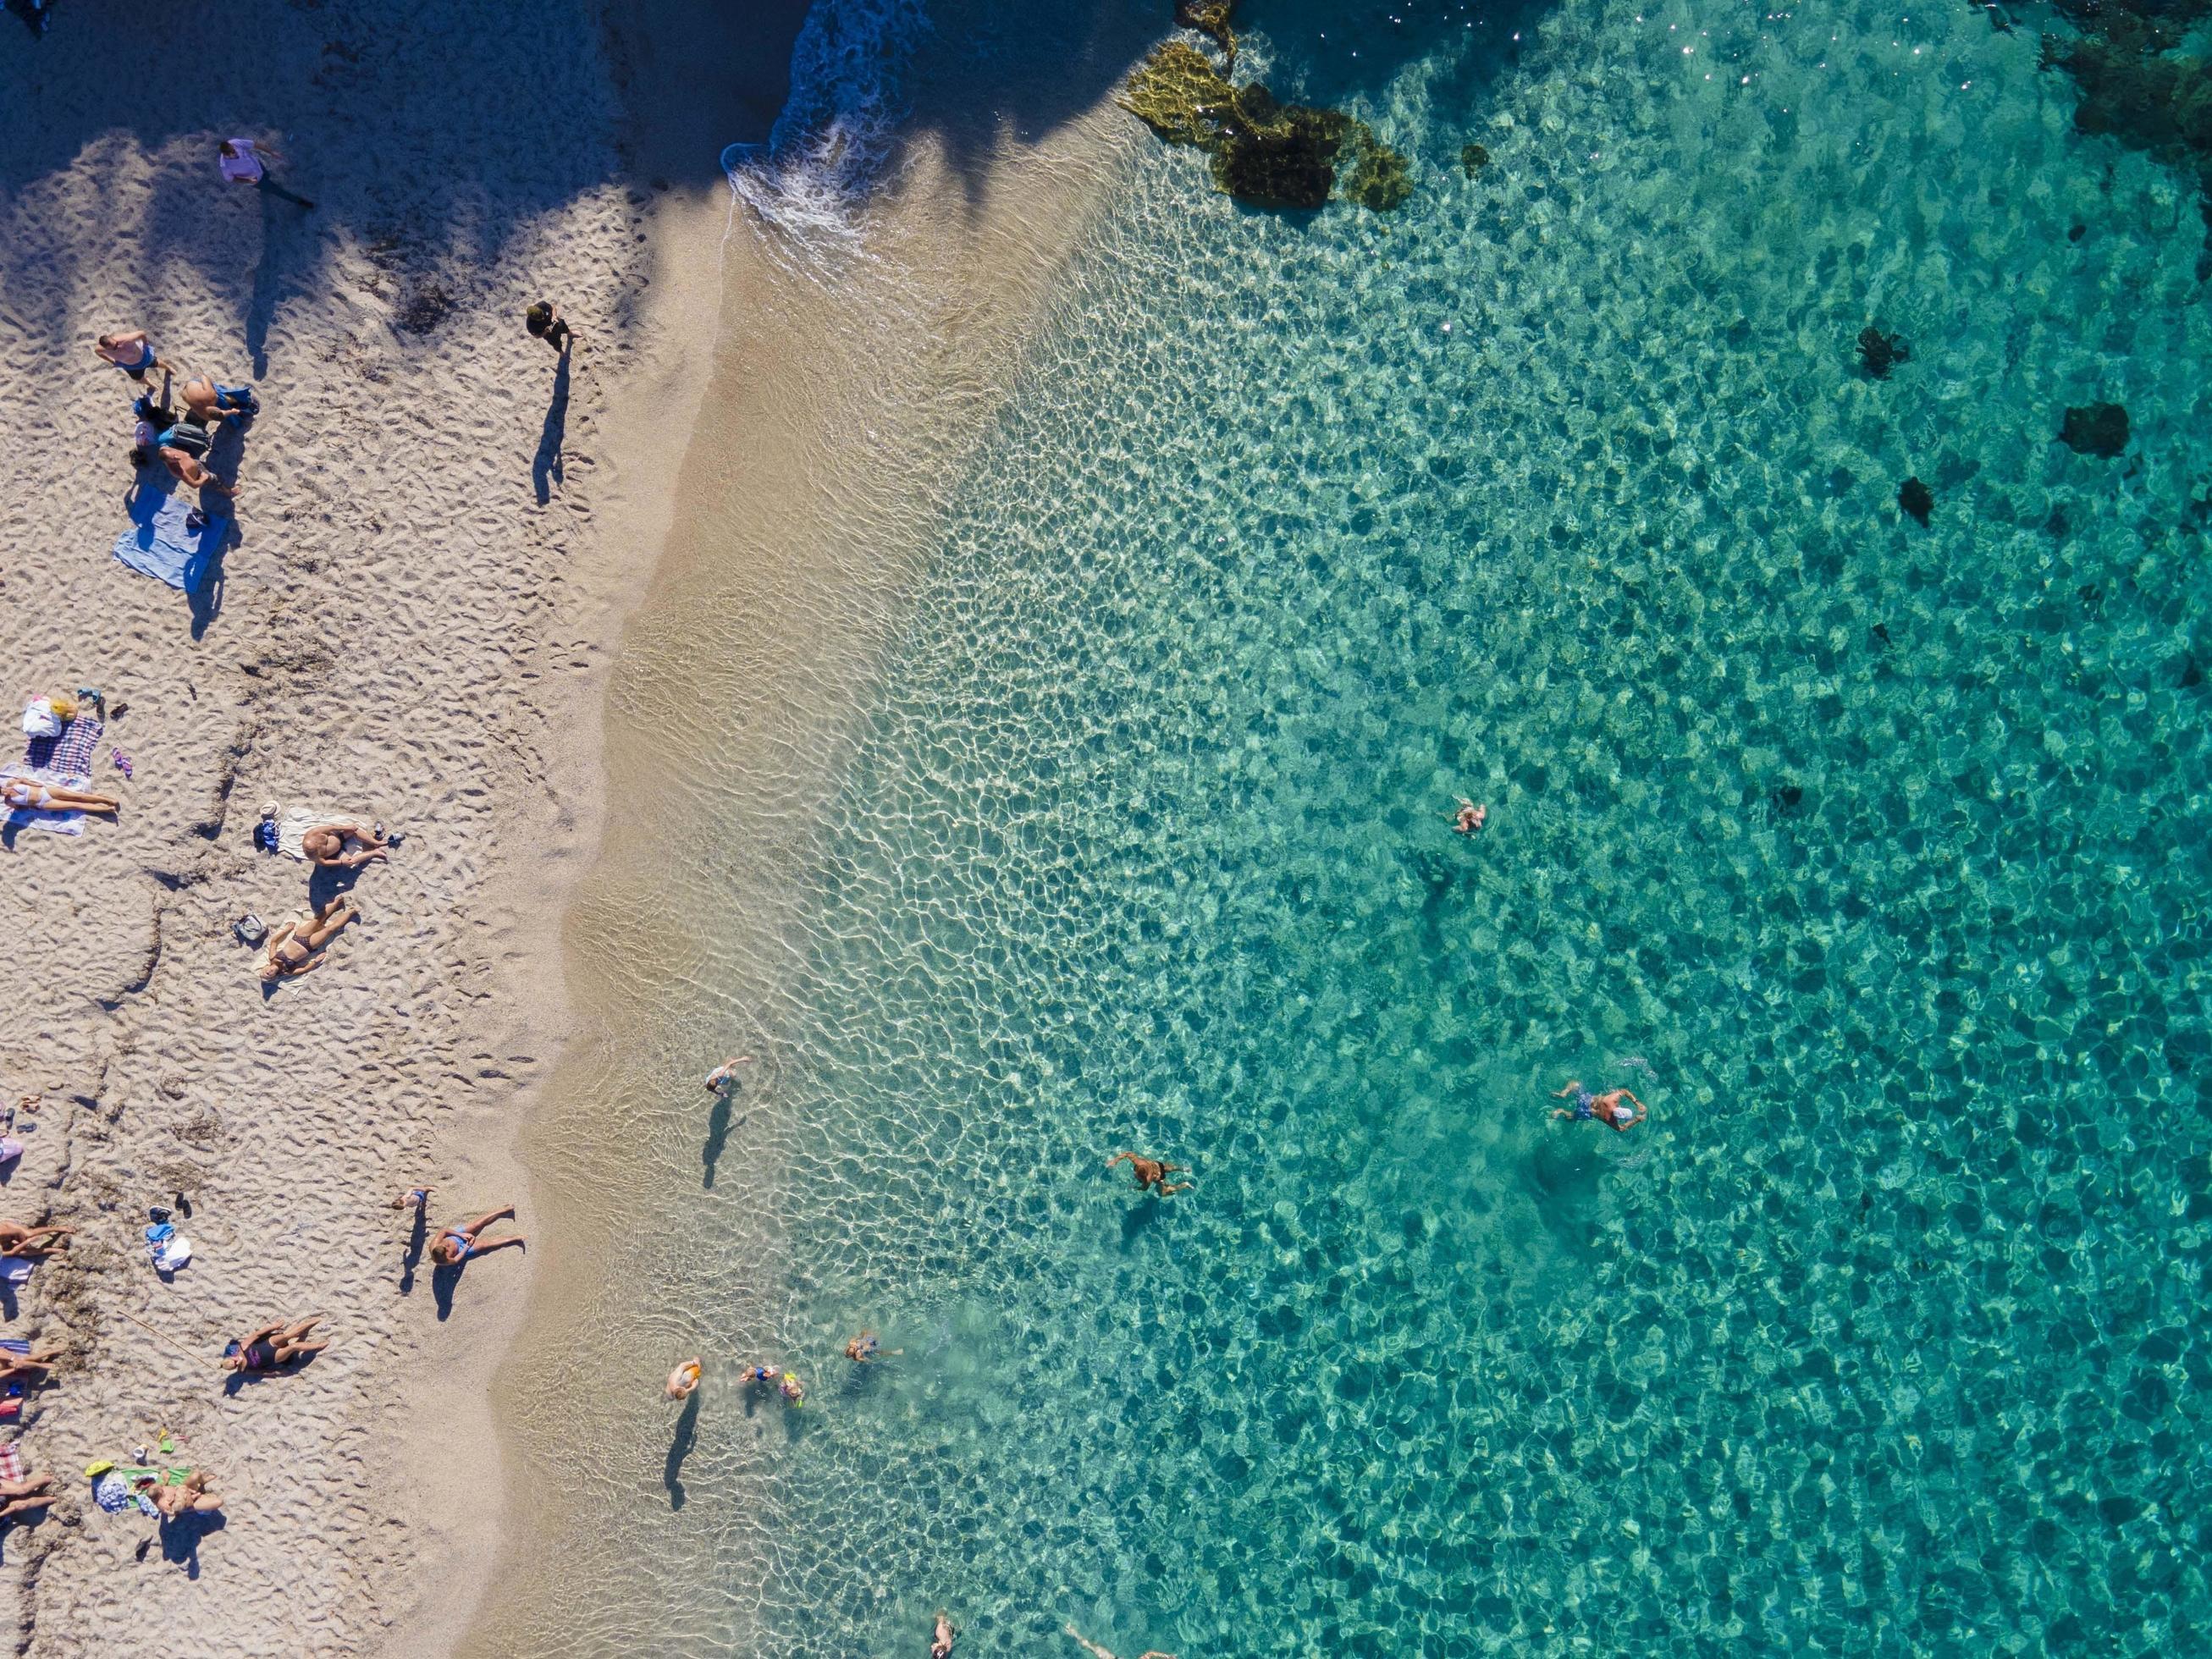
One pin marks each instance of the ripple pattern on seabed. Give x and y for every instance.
(1880, 846)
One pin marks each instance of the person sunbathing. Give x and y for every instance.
(37, 1242)
(273, 1347)
(457, 1244)
(193, 1495)
(293, 947)
(206, 402)
(29, 795)
(327, 845)
(132, 353)
(25, 1495)
(15, 1365)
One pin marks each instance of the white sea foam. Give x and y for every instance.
(807, 187)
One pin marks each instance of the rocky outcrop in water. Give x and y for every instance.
(1474, 158)
(2095, 429)
(1917, 500)
(1882, 352)
(2135, 85)
(1265, 152)
(1211, 19)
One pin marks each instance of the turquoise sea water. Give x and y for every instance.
(1882, 848)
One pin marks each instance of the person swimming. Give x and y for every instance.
(1606, 1108)
(1469, 817)
(1152, 1173)
(940, 1640)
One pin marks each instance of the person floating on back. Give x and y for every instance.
(543, 322)
(1152, 1173)
(245, 162)
(1605, 1108)
(940, 1641)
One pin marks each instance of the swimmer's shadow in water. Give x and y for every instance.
(718, 1134)
(1141, 1218)
(679, 1448)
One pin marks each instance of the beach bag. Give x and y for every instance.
(192, 439)
(39, 720)
(250, 929)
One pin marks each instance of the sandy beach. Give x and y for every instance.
(438, 534)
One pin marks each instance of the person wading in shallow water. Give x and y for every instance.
(1605, 1108)
(941, 1643)
(1152, 1174)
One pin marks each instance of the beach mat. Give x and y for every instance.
(158, 545)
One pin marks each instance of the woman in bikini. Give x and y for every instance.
(192, 1494)
(27, 1365)
(273, 1347)
(1605, 1108)
(293, 947)
(132, 353)
(29, 795)
(455, 1245)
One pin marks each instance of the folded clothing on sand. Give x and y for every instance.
(292, 830)
(11, 1461)
(60, 824)
(14, 1269)
(161, 543)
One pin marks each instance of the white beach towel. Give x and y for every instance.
(291, 828)
(61, 824)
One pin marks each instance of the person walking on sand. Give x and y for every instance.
(543, 322)
(940, 1640)
(29, 795)
(1605, 1108)
(245, 162)
(1098, 1652)
(16, 1239)
(132, 353)
(1151, 1173)
(455, 1245)
(273, 1347)
(413, 1199)
(683, 1379)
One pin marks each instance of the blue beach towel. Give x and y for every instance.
(158, 545)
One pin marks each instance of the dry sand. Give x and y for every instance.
(436, 549)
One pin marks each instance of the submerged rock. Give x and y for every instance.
(2136, 88)
(1882, 352)
(2095, 429)
(1269, 154)
(1474, 158)
(1917, 499)
(1211, 19)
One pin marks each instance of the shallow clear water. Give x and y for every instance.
(1880, 847)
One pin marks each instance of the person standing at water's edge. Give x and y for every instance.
(723, 1079)
(683, 1379)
